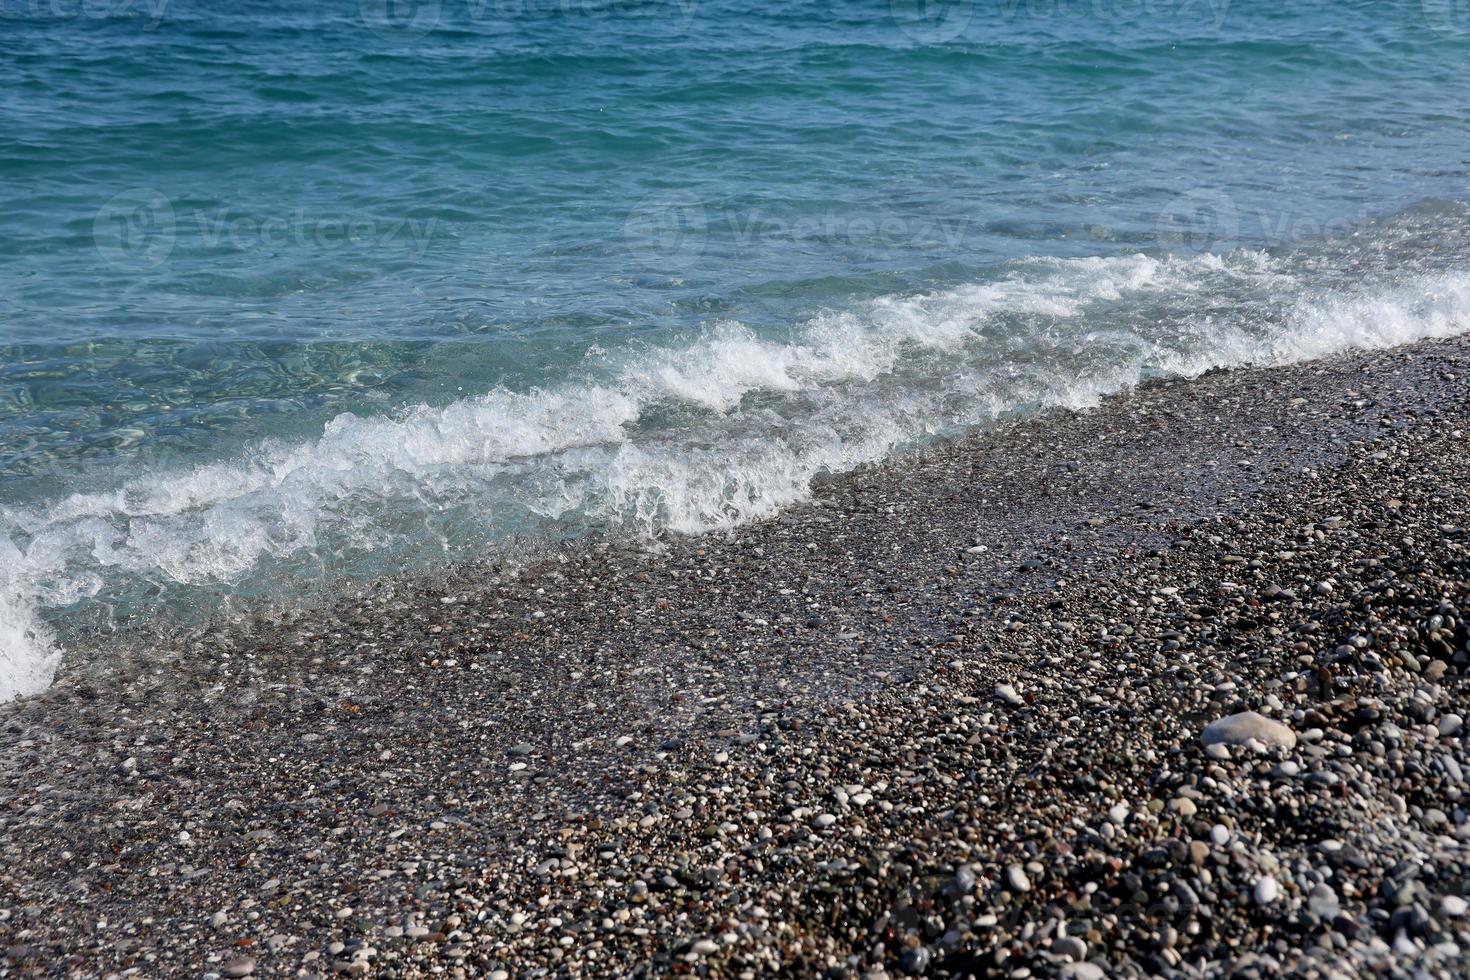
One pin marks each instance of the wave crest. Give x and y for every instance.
(727, 427)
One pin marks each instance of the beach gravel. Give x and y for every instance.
(1133, 736)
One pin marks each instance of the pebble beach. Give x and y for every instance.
(1174, 686)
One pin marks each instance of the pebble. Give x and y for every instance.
(1323, 902)
(1267, 890)
(241, 966)
(1016, 879)
(1007, 693)
(1238, 729)
(1070, 946)
(964, 880)
(1450, 724)
(915, 961)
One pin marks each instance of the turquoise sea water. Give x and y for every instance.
(291, 292)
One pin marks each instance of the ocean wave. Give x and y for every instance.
(726, 427)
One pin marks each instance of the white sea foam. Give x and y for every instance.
(28, 656)
(727, 427)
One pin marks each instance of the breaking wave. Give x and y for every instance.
(687, 437)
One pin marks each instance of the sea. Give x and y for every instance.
(298, 295)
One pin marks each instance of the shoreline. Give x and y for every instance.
(967, 657)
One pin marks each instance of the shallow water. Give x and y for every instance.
(295, 293)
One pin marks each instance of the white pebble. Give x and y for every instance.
(1267, 890)
(1246, 727)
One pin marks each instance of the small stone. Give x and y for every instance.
(241, 966)
(914, 961)
(1070, 947)
(824, 820)
(1450, 724)
(1183, 806)
(1323, 902)
(1117, 813)
(219, 919)
(704, 947)
(1453, 906)
(964, 880)
(1007, 693)
(1247, 725)
(1267, 890)
(1016, 879)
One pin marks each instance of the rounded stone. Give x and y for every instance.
(1070, 947)
(1240, 728)
(1016, 879)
